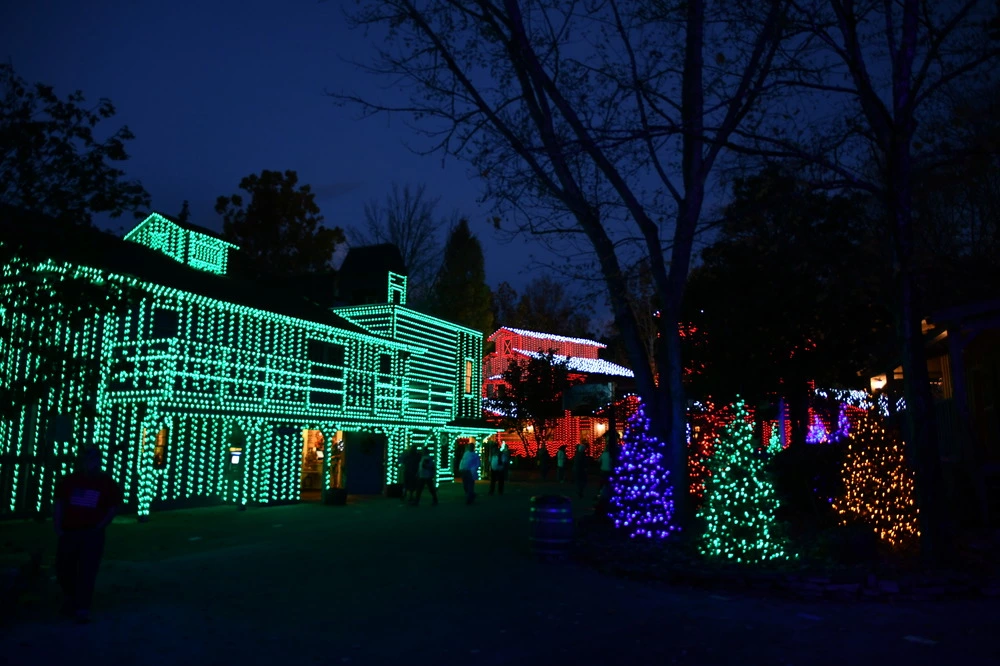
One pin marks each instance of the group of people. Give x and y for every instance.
(419, 472)
(580, 465)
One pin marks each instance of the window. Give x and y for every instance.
(326, 392)
(507, 347)
(468, 376)
(165, 323)
(385, 364)
(160, 449)
(326, 352)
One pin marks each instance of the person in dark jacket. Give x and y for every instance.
(85, 504)
(427, 477)
(411, 465)
(580, 468)
(499, 462)
(544, 461)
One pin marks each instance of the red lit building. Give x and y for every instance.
(598, 383)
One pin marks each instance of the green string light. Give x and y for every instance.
(740, 502)
(203, 368)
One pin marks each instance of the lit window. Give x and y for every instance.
(468, 376)
(160, 449)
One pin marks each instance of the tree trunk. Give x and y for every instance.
(922, 435)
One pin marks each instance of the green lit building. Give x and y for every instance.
(217, 389)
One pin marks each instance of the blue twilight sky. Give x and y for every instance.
(218, 89)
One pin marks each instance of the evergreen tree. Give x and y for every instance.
(641, 494)
(878, 484)
(55, 160)
(280, 228)
(185, 215)
(461, 294)
(740, 502)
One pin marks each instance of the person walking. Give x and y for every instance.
(498, 468)
(580, 468)
(561, 464)
(469, 468)
(607, 466)
(411, 465)
(544, 461)
(85, 504)
(427, 477)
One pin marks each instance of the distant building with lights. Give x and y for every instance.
(217, 389)
(599, 385)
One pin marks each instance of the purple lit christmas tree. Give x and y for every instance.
(641, 494)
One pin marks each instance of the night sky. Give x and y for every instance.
(218, 89)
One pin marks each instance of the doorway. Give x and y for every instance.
(364, 463)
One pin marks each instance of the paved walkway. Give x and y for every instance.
(376, 582)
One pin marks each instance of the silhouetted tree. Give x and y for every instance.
(50, 161)
(406, 219)
(504, 305)
(558, 133)
(280, 227)
(460, 291)
(887, 66)
(534, 397)
(792, 289)
(54, 178)
(545, 305)
(185, 215)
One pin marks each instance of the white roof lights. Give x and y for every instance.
(590, 366)
(550, 336)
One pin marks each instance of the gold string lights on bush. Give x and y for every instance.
(879, 484)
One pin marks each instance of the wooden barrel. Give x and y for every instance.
(551, 521)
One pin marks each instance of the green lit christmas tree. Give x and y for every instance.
(740, 502)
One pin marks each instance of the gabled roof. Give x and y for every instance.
(193, 227)
(547, 336)
(588, 366)
(86, 246)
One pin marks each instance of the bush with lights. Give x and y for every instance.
(878, 484)
(738, 511)
(641, 495)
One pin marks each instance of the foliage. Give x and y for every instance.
(533, 397)
(785, 248)
(706, 424)
(545, 305)
(460, 291)
(740, 503)
(56, 174)
(51, 161)
(878, 484)
(805, 478)
(37, 289)
(595, 131)
(887, 67)
(957, 203)
(641, 494)
(184, 217)
(406, 219)
(280, 228)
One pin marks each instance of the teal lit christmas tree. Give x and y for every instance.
(641, 495)
(740, 502)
